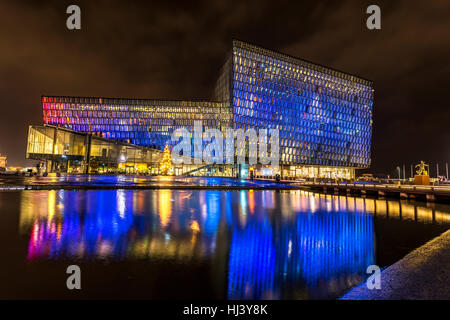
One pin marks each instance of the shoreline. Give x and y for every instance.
(423, 274)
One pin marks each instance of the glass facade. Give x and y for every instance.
(65, 150)
(50, 140)
(324, 116)
(140, 122)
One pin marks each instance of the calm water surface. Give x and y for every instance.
(130, 180)
(203, 244)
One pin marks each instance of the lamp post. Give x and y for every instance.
(446, 169)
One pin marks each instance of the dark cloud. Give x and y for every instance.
(174, 50)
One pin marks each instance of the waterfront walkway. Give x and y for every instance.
(423, 274)
(429, 193)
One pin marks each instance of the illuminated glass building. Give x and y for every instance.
(140, 122)
(324, 116)
(137, 121)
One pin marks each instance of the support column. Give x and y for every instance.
(446, 169)
(87, 155)
(52, 166)
(48, 166)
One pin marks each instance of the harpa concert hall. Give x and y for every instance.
(323, 116)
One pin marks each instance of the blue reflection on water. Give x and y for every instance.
(316, 249)
(274, 244)
(252, 262)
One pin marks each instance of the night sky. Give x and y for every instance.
(174, 51)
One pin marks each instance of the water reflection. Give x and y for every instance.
(273, 245)
(125, 180)
(317, 250)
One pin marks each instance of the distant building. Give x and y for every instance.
(324, 116)
(3, 162)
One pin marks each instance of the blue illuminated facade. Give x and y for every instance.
(324, 116)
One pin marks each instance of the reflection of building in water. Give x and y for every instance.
(165, 207)
(251, 272)
(267, 243)
(315, 249)
(110, 224)
(267, 259)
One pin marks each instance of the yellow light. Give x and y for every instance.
(165, 207)
(195, 226)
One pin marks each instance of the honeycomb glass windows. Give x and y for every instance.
(324, 116)
(141, 122)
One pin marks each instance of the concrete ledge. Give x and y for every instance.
(423, 274)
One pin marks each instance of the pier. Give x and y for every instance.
(428, 193)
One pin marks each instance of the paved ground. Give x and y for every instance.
(424, 274)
